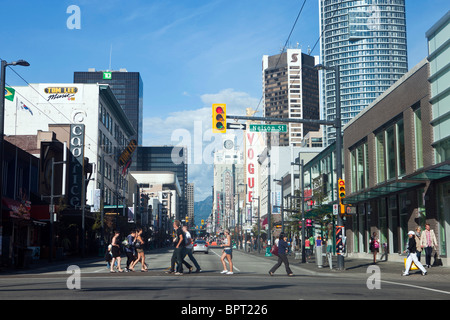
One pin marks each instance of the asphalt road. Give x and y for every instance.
(251, 283)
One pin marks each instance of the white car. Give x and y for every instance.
(201, 246)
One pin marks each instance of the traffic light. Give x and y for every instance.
(341, 192)
(219, 118)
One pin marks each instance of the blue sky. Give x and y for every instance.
(190, 53)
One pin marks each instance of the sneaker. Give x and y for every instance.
(229, 272)
(424, 273)
(178, 273)
(224, 271)
(198, 270)
(169, 272)
(405, 274)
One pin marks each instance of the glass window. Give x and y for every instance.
(418, 138)
(360, 166)
(390, 153)
(401, 148)
(381, 177)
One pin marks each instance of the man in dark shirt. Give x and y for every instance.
(178, 252)
(412, 256)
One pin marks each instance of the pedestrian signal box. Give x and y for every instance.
(219, 118)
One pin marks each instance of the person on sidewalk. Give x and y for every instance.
(418, 241)
(412, 256)
(429, 242)
(282, 256)
(374, 246)
(189, 251)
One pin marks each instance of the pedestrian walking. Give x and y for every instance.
(227, 253)
(130, 250)
(282, 256)
(418, 241)
(139, 245)
(115, 250)
(178, 252)
(190, 251)
(412, 256)
(307, 248)
(428, 242)
(374, 246)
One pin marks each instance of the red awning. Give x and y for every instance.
(16, 209)
(40, 212)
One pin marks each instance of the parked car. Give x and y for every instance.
(201, 246)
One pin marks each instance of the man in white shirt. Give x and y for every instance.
(190, 250)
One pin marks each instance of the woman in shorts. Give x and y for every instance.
(115, 250)
(227, 253)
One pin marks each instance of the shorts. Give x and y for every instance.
(228, 251)
(115, 251)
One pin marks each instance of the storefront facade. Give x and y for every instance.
(394, 183)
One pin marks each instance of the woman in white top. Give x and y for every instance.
(227, 253)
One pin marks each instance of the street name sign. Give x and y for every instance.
(268, 128)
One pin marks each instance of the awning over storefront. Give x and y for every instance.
(16, 209)
(438, 171)
(382, 190)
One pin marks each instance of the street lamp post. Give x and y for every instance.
(4, 64)
(338, 127)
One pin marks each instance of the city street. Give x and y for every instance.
(250, 282)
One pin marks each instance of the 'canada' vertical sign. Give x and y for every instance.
(76, 164)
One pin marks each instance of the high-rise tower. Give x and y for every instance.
(367, 39)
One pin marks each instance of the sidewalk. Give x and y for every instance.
(354, 265)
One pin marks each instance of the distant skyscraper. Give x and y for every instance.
(128, 89)
(190, 203)
(165, 158)
(367, 39)
(291, 90)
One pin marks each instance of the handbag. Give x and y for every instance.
(413, 265)
(437, 260)
(274, 250)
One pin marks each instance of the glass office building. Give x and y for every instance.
(128, 89)
(367, 39)
(165, 158)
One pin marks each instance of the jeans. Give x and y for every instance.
(177, 256)
(428, 251)
(282, 258)
(190, 254)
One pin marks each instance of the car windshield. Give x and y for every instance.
(200, 242)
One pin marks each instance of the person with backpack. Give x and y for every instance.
(282, 256)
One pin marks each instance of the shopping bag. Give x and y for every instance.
(437, 260)
(413, 265)
(274, 250)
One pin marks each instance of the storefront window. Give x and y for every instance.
(393, 223)
(444, 216)
(404, 216)
(382, 220)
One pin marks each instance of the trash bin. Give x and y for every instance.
(319, 259)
